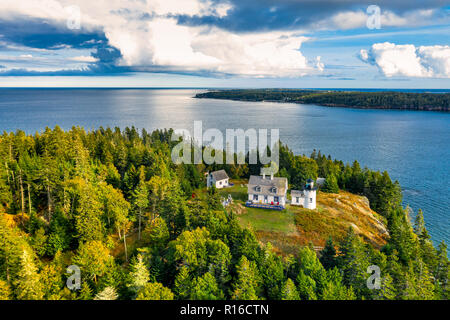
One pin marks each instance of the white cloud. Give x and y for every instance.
(87, 59)
(157, 41)
(408, 60)
(357, 19)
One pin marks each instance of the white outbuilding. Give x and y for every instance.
(219, 179)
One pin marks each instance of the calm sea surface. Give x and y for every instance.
(413, 146)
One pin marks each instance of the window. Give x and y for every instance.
(276, 199)
(310, 200)
(265, 198)
(258, 188)
(255, 197)
(297, 199)
(220, 183)
(273, 190)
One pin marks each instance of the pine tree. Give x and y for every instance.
(206, 288)
(272, 272)
(289, 291)
(442, 272)
(419, 225)
(38, 242)
(183, 283)
(334, 289)
(154, 291)
(387, 290)
(306, 286)
(85, 292)
(139, 275)
(311, 267)
(328, 255)
(330, 185)
(247, 284)
(353, 261)
(28, 285)
(94, 259)
(109, 293)
(156, 233)
(140, 200)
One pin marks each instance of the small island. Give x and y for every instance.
(347, 99)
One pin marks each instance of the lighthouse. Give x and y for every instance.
(306, 197)
(310, 195)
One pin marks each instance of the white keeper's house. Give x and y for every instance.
(267, 190)
(305, 197)
(219, 179)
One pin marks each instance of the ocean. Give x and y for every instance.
(413, 146)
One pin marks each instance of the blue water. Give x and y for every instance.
(413, 146)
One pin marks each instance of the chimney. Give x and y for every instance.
(271, 176)
(264, 175)
(311, 184)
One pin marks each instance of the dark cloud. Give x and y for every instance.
(40, 34)
(107, 54)
(250, 15)
(92, 70)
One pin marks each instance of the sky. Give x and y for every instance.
(225, 43)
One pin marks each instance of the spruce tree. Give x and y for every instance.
(140, 200)
(387, 290)
(289, 291)
(248, 282)
(328, 255)
(139, 274)
(419, 225)
(330, 185)
(154, 291)
(109, 293)
(28, 284)
(206, 288)
(85, 291)
(306, 286)
(183, 283)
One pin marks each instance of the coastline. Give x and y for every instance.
(231, 95)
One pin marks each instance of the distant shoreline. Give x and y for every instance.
(377, 100)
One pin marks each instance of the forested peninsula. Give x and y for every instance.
(138, 226)
(347, 99)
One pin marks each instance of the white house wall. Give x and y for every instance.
(270, 199)
(221, 184)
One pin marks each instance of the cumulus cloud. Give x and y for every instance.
(408, 60)
(148, 35)
(214, 36)
(345, 20)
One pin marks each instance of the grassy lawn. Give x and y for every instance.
(268, 220)
(238, 191)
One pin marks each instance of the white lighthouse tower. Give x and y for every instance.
(310, 195)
